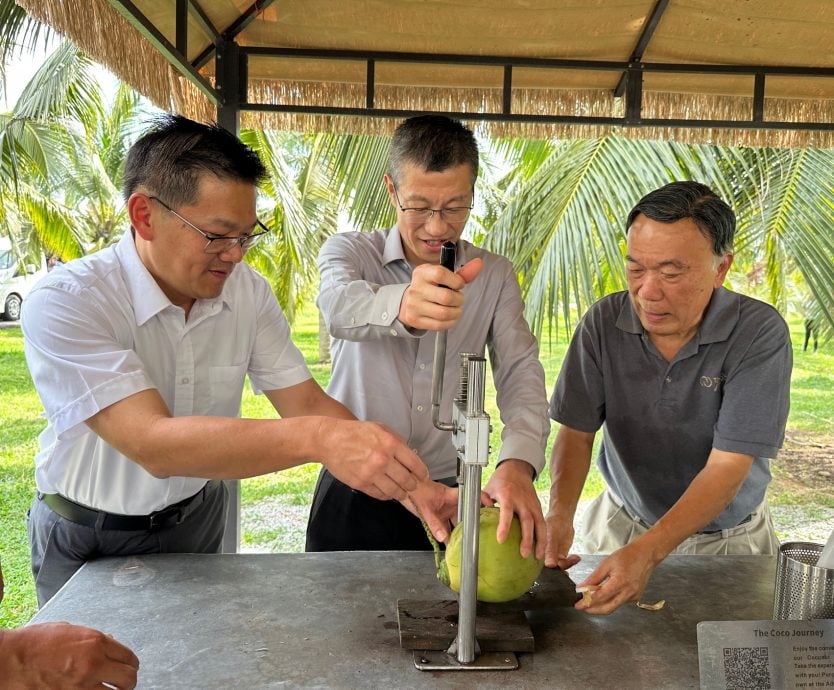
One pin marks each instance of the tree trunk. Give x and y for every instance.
(324, 341)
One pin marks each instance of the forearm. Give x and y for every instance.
(10, 657)
(229, 448)
(570, 461)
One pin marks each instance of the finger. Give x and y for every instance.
(470, 270)
(563, 563)
(373, 492)
(551, 556)
(121, 676)
(407, 469)
(116, 651)
(436, 524)
(390, 489)
(528, 536)
(505, 520)
(540, 531)
(486, 499)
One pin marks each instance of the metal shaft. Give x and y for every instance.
(467, 601)
(470, 505)
(437, 382)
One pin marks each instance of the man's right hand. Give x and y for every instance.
(434, 299)
(61, 655)
(560, 535)
(371, 458)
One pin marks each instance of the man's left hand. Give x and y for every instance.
(511, 487)
(623, 577)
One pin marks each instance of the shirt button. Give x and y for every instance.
(393, 331)
(384, 315)
(422, 366)
(668, 379)
(185, 379)
(419, 408)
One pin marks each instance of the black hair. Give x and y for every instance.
(679, 200)
(171, 156)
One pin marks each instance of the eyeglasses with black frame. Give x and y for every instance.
(454, 215)
(217, 244)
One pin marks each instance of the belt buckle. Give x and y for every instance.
(159, 519)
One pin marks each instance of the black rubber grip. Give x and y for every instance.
(447, 255)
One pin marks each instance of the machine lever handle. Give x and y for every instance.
(447, 255)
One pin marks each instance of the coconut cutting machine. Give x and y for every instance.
(427, 626)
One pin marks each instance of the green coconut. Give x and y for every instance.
(502, 572)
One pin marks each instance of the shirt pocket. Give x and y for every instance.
(226, 389)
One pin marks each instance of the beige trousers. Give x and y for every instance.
(606, 526)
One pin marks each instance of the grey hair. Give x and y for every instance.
(678, 200)
(433, 142)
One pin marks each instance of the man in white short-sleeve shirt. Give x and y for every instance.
(139, 354)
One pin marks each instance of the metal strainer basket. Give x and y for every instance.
(803, 591)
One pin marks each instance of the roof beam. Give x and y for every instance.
(155, 37)
(642, 43)
(233, 30)
(634, 89)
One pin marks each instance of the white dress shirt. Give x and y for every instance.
(100, 329)
(382, 370)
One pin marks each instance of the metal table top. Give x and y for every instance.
(330, 620)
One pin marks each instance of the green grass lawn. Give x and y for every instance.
(812, 411)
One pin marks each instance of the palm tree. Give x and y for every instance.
(558, 211)
(90, 180)
(35, 142)
(301, 212)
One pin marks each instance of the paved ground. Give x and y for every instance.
(793, 523)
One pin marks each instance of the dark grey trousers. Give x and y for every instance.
(60, 547)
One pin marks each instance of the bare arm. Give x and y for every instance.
(626, 572)
(570, 461)
(306, 398)
(365, 455)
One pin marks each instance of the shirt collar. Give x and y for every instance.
(393, 249)
(719, 321)
(146, 296)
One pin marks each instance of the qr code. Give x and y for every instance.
(746, 668)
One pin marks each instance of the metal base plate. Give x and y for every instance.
(433, 660)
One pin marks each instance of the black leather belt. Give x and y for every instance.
(173, 514)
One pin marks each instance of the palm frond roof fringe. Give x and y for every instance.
(757, 73)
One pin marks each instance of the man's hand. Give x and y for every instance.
(434, 300)
(511, 487)
(560, 534)
(61, 655)
(435, 504)
(623, 577)
(371, 458)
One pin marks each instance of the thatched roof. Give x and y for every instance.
(754, 72)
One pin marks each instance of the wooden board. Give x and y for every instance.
(432, 625)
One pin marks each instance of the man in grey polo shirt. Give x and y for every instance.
(690, 383)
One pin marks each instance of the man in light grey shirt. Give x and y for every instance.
(383, 295)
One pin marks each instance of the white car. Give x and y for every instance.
(14, 283)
